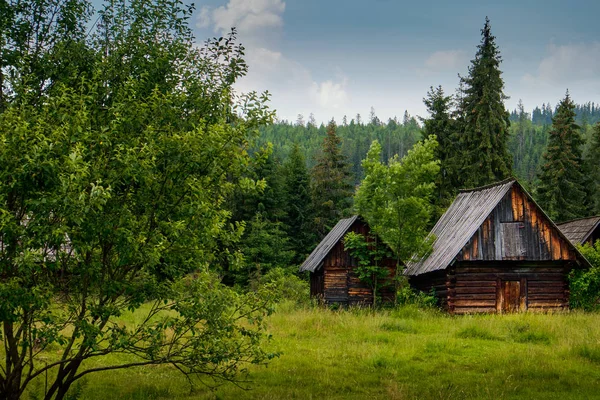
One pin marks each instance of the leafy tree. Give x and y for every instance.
(441, 124)
(331, 188)
(42, 42)
(561, 192)
(395, 199)
(484, 120)
(113, 190)
(300, 212)
(369, 252)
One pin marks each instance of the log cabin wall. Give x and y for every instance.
(341, 284)
(317, 283)
(482, 287)
(516, 230)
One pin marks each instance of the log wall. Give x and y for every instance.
(340, 284)
(474, 287)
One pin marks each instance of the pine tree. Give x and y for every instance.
(331, 188)
(300, 215)
(484, 131)
(442, 126)
(562, 192)
(593, 162)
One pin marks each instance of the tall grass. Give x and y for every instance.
(404, 353)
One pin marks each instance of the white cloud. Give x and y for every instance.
(330, 94)
(292, 85)
(248, 16)
(568, 64)
(446, 59)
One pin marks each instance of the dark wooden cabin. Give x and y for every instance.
(582, 230)
(332, 269)
(495, 250)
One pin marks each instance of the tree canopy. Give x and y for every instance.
(114, 178)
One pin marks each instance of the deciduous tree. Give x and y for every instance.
(112, 192)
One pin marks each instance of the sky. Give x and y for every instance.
(342, 57)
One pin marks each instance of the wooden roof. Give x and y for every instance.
(315, 259)
(579, 230)
(460, 222)
(454, 229)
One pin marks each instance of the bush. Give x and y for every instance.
(585, 284)
(287, 286)
(407, 295)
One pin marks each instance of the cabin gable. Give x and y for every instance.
(334, 278)
(516, 230)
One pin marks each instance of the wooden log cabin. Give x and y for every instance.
(496, 251)
(582, 230)
(332, 269)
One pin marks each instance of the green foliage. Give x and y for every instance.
(584, 284)
(286, 286)
(299, 207)
(369, 252)
(395, 199)
(527, 144)
(114, 185)
(562, 192)
(593, 166)
(265, 247)
(409, 296)
(483, 121)
(441, 124)
(331, 187)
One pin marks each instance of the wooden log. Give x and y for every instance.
(476, 289)
(466, 283)
(474, 310)
(474, 303)
(546, 289)
(476, 296)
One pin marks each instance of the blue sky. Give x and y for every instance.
(340, 57)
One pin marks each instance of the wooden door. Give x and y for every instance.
(511, 296)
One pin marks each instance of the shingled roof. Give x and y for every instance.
(579, 230)
(458, 224)
(315, 259)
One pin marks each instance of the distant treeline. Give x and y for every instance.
(527, 143)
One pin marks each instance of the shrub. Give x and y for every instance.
(407, 295)
(585, 284)
(287, 286)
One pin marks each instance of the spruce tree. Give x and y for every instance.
(562, 192)
(593, 162)
(441, 124)
(485, 120)
(331, 187)
(300, 215)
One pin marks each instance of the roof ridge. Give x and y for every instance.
(578, 219)
(488, 186)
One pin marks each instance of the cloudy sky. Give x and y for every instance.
(342, 57)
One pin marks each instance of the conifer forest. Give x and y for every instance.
(165, 235)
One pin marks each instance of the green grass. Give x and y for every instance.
(406, 353)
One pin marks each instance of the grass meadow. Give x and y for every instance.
(403, 353)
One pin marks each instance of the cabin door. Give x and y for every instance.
(511, 296)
